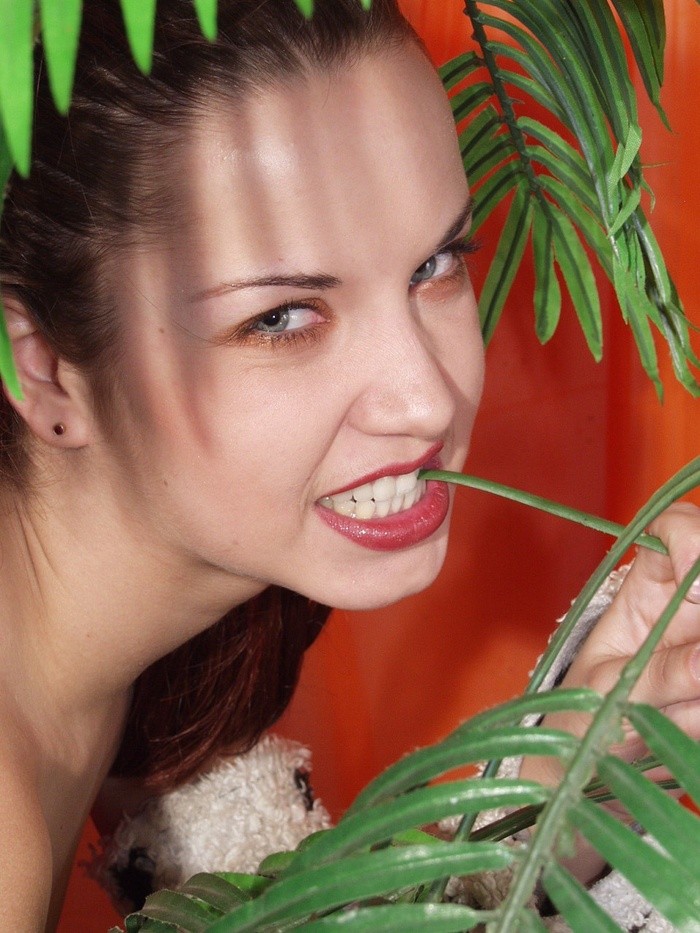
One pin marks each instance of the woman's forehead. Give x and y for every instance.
(367, 152)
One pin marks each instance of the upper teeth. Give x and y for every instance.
(385, 496)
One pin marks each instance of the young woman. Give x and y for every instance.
(243, 321)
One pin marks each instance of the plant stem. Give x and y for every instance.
(544, 505)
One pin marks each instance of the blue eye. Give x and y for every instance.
(442, 263)
(285, 318)
(275, 322)
(424, 272)
(446, 262)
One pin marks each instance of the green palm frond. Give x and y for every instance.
(376, 872)
(575, 175)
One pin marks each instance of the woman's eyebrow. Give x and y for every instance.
(458, 226)
(318, 281)
(296, 280)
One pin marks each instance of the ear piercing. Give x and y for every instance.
(59, 429)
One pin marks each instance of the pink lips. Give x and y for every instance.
(405, 528)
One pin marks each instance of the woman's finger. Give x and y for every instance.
(679, 529)
(672, 676)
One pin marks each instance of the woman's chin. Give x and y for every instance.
(387, 580)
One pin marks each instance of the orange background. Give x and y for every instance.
(592, 435)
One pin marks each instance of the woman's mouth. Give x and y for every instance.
(388, 495)
(388, 512)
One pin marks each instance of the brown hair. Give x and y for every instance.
(93, 190)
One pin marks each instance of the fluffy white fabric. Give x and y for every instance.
(228, 819)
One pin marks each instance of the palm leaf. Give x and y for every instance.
(569, 58)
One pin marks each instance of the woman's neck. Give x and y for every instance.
(91, 598)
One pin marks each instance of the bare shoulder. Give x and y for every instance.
(26, 867)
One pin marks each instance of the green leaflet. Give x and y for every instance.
(547, 297)
(358, 877)
(458, 69)
(602, 46)
(8, 371)
(626, 211)
(171, 912)
(635, 306)
(627, 152)
(573, 901)
(399, 918)
(560, 158)
(494, 190)
(677, 829)
(532, 704)
(506, 261)
(477, 135)
(467, 100)
(17, 78)
(206, 14)
(60, 30)
(533, 86)
(658, 878)
(139, 21)
(586, 223)
(643, 22)
(490, 153)
(420, 807)
(466, 748)
(572, 89)
(580, 281)
(680, 753)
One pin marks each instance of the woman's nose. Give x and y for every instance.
(404, 384)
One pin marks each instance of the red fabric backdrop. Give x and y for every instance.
(378, 684)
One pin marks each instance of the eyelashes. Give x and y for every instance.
(250, 333)
(259, 330)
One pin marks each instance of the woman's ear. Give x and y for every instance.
(55, 397)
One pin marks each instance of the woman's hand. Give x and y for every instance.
(671, 680)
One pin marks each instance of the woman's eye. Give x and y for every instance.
(439, 264)
(280, 320)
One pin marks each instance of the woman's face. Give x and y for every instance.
(303, 339)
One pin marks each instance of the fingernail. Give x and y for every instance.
(695, 663)
(693, 593)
